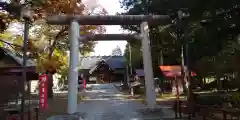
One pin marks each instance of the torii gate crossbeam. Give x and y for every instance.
(109, 19)
(74, 21)
(110, 37)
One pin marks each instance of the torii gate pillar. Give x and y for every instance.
(73, 67)
(148, 69)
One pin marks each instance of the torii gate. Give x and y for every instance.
(74, 37)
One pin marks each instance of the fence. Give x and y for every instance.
(29, 115)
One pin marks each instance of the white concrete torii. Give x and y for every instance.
(74, 21)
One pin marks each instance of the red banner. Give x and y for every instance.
(43, 89)
(84, 83)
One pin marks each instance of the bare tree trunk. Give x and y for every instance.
(237, 82)
(200, 79)
(218, 82)
(183, 72)
(51, 50)
(204, 80)
(50, 86)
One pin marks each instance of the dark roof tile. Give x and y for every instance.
(114, 62)
(17, 58)
(140, 72)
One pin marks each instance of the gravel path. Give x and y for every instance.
(107, 103)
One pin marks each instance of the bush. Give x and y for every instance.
(211, 99)
(139, 90)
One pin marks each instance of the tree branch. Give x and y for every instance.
(11, 44)
(51, 49)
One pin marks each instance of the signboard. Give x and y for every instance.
(135, 83)
(84, 83)
(43, 88)
(92, 78)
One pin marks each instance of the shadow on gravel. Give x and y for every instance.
(56, 106)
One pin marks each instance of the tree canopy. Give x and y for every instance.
(211, 32)
(117, 51)
(47, 44)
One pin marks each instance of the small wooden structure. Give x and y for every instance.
(103, 69)
(11, 83)
(140, 74)
(102, 72)
(173, 77)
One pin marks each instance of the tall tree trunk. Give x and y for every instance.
(218, 81)
(125, 82)
(204, 80)
(200, 79)
(51, 50)
(237, 81)
(183, 72)
(50, 85)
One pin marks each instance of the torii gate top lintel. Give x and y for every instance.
(109, 19)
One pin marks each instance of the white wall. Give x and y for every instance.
(34, 83)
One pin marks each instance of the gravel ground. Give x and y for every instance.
(105, 102)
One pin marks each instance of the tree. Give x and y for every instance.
(117, 51)
(59, 7)
(48, 38)
(136, 56)
(208, 30)
(218, 20)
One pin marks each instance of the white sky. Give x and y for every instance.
(105, 47)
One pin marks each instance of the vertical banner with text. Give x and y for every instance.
(43, 89)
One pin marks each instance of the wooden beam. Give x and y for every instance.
(110, 37)
(109, 19)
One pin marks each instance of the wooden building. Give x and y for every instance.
(11, 63)
(103, 69)
(173, 76)
(11, 82)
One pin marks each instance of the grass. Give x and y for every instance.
(164, 99)
(82, 98)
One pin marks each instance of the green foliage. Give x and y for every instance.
(235, 98)
(63, 67)
(1, 44)
(211, 99)
(136, 56)
(211, 32)
(48, 43)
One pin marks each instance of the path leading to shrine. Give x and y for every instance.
(105, 102)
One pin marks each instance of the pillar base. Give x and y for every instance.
(76, 116)
(155, 113)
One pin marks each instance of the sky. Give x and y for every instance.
(106, 47)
